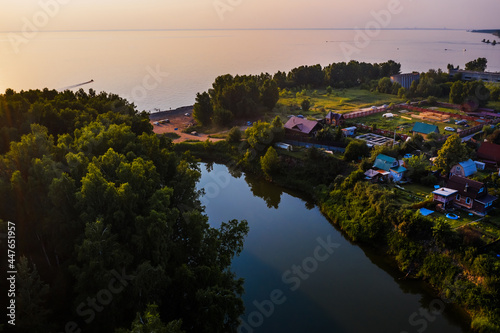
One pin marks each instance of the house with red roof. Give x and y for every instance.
(471, 195)
(297, 126)
(489, 153)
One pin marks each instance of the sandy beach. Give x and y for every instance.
(179, 119)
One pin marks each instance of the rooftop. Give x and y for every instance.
(302, 125)
(424, 128)
(489, 151)
(399, 169)
(445, 192)
(466, 186)
(384, 162)
(469, 167)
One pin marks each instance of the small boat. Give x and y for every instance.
(452, 216)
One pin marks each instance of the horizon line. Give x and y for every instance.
(236, 29)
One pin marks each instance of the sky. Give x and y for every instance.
(20, 15)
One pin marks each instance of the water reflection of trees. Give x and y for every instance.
(267, 191)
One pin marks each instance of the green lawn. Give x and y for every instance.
(343, 100)
(494, 105)
(419, 190)
(403, 125)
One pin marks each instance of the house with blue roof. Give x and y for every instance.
(464, 169)
(424, 129)
(391, 165)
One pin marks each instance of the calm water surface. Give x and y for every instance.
(187, 62)
(350, 290)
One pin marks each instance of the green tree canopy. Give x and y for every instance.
(203, 110)
(270, 162)
(452, 152)
(478, 65)
(355, 150)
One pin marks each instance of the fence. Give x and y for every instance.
(316, 145)
(363, 113)
(454, 115)
(382, 132)
(296, 140)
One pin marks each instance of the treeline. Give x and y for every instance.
(439, 84)
(108, 221)
(450, 260)
(235, 98)
(249, 95)
(337, 75)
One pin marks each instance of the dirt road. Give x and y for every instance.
(179, 120)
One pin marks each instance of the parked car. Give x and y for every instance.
(448, 128)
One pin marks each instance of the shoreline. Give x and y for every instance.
(164, 114)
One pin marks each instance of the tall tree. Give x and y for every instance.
(269, 94)
(478, 65)
(203, 110)
(452, 152)
(270, 162)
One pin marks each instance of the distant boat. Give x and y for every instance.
(78, 85)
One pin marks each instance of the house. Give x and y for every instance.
(489, 153)
(424, 129)
(474, 75)
(445, 196)
(391, 165)
(405, 80)
(349, 131)
(301, 127)
(335, 119)
(464, 169)
(372, 175)
(377, 175)
(471, 194)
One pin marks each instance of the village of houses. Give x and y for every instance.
(456, 195)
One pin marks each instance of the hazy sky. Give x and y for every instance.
(16, 15)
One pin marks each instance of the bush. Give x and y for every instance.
(270, 162)
(483, 325)
(222, 117)
(171, 135)
(432, 100)
(234, 135)
(305, 105)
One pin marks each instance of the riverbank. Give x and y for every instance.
(155, 116)
(370, 214)
(177, 121)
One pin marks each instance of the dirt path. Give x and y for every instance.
(179, 120)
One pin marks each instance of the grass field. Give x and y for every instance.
(403, 125)
(348, 100)
(344, 100)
